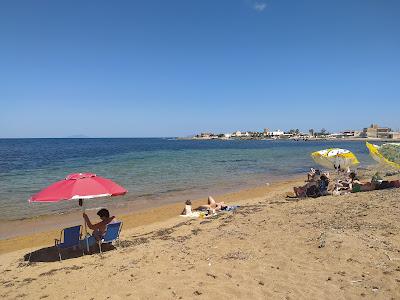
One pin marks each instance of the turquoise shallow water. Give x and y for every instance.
(151, 169)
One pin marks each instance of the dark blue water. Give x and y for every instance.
(149, 168)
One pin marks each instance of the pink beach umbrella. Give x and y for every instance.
(79, 186)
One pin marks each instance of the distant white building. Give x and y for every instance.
(227, 135)
(237, 134)
(274, 134)
(277, 133)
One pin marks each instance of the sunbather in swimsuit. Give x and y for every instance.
(213, 205)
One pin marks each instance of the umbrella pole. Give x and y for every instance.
(81, 204)
(30, 253)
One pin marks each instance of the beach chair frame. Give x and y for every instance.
(102, 241)
(59, 242)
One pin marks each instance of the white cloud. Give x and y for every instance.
(259, 6)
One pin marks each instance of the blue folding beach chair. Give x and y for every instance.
(111, 235)
(69, 238)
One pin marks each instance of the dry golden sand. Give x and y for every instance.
(327, 248)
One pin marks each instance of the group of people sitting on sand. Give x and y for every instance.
(209, 209)
(317, 185)
(320, 184)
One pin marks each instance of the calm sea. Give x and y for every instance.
(151, 169)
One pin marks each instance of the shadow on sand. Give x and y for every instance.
(50, 254)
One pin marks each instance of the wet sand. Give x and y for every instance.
(333, 247)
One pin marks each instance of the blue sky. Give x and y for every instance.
(173, 68)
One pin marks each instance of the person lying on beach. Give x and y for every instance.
(210, 208)
(381, 184)
(354, 185)
(99, 229)
(374, 185)
(362, 187)
(213, 205)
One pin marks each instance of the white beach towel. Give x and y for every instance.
(189, 213)
(194, 214)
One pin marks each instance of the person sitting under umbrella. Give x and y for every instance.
(313, 175)
(99, 229)
(314, 189)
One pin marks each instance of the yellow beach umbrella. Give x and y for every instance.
(388, 154)
(335, 158)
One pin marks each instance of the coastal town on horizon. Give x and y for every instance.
(373, 132)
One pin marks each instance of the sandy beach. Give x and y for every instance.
(200, 150)
(333, 247)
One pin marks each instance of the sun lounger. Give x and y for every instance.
(69, 238)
